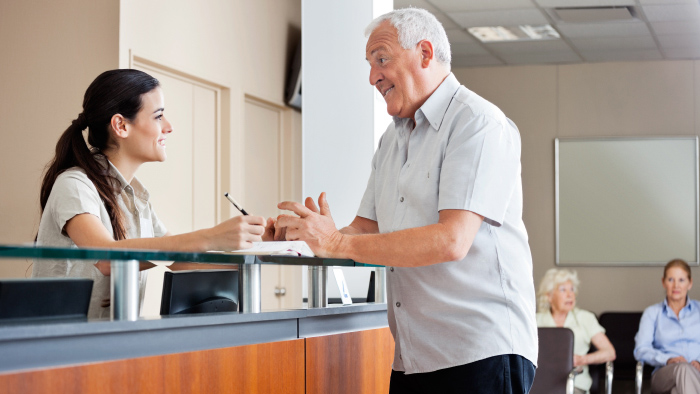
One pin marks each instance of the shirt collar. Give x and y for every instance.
(688, 305)
(436, 105)
(138, 188)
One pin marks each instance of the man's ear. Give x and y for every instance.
(119, 125)
(427, 53)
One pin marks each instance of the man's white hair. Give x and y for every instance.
(553, 278)
(415, 25)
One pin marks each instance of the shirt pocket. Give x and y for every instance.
(426, 187)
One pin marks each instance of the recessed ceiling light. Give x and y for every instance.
(514, 33)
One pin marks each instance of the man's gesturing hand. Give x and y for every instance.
(313, 225)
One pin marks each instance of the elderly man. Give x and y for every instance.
(443, 212)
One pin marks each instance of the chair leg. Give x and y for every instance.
(570, 379)
(638, 377)
(609, 371)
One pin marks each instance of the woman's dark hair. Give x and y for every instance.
(679, 264)
(112, 92)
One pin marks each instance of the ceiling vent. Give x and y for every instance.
(595, 14)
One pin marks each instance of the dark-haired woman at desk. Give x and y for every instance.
(669, 335)
(90, 196)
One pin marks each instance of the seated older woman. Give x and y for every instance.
(557, 308)
(669, 335)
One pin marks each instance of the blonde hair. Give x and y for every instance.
(551, 279)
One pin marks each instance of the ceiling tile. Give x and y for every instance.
(679, 41)
(529, 47)
(540, 58)
(673, 12)
(475, 61)
(681, 27)
(481, 5)
(447, 23)
(586, 30)
(499, 18)
(583, 3)
(615, 56)
(682, 53)
(668, 1)
(459, 36)
(467, 49)
(613, 43)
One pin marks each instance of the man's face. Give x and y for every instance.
(394, 71)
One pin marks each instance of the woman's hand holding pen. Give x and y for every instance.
(236, 233)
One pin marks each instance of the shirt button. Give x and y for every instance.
(391, 269)
(398, 305)
(401, 199)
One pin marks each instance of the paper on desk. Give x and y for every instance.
(278, 248)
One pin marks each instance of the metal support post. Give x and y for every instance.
(317, 287)
(380, 285)
(124, 290)
(249, 288)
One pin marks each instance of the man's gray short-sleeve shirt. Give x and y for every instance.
(462, 154)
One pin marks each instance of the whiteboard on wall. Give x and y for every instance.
(626, 201)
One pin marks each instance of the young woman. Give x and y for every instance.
(669, 335)
(90, 196)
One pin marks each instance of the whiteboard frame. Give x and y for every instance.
(623, 263)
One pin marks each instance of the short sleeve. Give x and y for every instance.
(159, 229)
(368, 208)
(481, 167)
(73, 194)
(590, 323)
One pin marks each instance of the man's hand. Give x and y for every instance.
(273, 232)
(314, 225)
(696, 364)
(579, 360)
(675, 360)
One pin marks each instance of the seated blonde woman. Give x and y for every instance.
(556, 304)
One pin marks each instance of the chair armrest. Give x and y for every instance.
(570, 379)
(638, 377)
(609, 370)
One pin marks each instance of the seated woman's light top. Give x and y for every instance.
(90, 196)
(669, 335)
(557, 308)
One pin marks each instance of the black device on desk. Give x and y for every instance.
(206, 291)
(44, 298)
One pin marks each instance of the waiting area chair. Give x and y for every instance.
(555, 371)
(620, 328)
(601, 376)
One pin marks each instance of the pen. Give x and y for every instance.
(235, 204)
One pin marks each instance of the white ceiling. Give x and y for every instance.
(661, 29)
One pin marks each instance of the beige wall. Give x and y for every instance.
(244, 46)
(604, 99)
(51, 51)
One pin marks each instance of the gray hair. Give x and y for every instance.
(551, 279)
(415, 25)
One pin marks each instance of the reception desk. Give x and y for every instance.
(335, 349)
